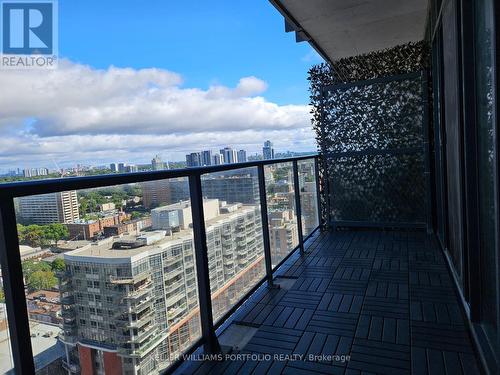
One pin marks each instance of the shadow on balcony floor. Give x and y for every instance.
(384, 299)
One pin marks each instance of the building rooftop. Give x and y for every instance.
(103, 249)
(47, 295)
(45, 349)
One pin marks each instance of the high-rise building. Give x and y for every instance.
(230, 156)
(157, 164)
(217, 159)
(242, 156)
(283, 233)
(131, 168)
(49, 208)
(130, 305)
(163, 192)
(193, 159)
(309, 204)
(121, 167)
(231, 188)
(113, 167)
(34, 172)
(206, 158)
(268, 150)
(178, 215)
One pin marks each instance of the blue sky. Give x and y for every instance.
(140, 78)
(205, 41)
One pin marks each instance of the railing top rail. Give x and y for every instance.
(35, 187)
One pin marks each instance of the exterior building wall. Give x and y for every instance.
(241, 189)
(86, 360)
(49, 208)
(283, 233)
(112, 364)
(99, 293)
(89, 229)
(160, 192)
(268, 150)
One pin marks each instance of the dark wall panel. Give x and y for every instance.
(453, 136)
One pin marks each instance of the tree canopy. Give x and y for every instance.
(39, 275)
(41, 235)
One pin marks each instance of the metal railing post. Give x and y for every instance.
(327, 192)
(298, 209)
(318, 190)
(265, 225)
(13, 284)
(211, 344)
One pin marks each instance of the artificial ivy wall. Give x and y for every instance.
(370, 118)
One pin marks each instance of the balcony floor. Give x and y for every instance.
(384, 298)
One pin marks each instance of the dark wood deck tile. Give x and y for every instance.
(383, 298)
(311, 368)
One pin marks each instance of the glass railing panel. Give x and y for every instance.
(282, 216)
(234, 236)
(308, 195)
(112, 270)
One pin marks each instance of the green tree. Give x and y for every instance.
(41, 280)
(84, 205)
(21, 233)
(38, 275)
(136, 215)
(55, 232)
(30, 266)
(32, 235)
(58, 265)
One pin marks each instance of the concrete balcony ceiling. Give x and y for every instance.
(343, 28)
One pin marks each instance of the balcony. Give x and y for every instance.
(342, 301)
(128, 279)
(146, 347)
(398, 270)
(357, 301)
(137, 322)
(139, 293)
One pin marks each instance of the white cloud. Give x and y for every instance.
(78, 113)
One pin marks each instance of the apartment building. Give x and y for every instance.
(128, 227)
(155, 193)
(268, 150)
(49, 208)
(157, 164)
(309, 204)
(206, 157)
(178, 215)
(81, 229)
(230, 187)
(217, 159)
(243, 188)
(230, 156)
(283, 233)
(194, 159)
(130, 305)
(241, 156)
(35, 172)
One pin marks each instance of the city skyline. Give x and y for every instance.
(44, 169)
